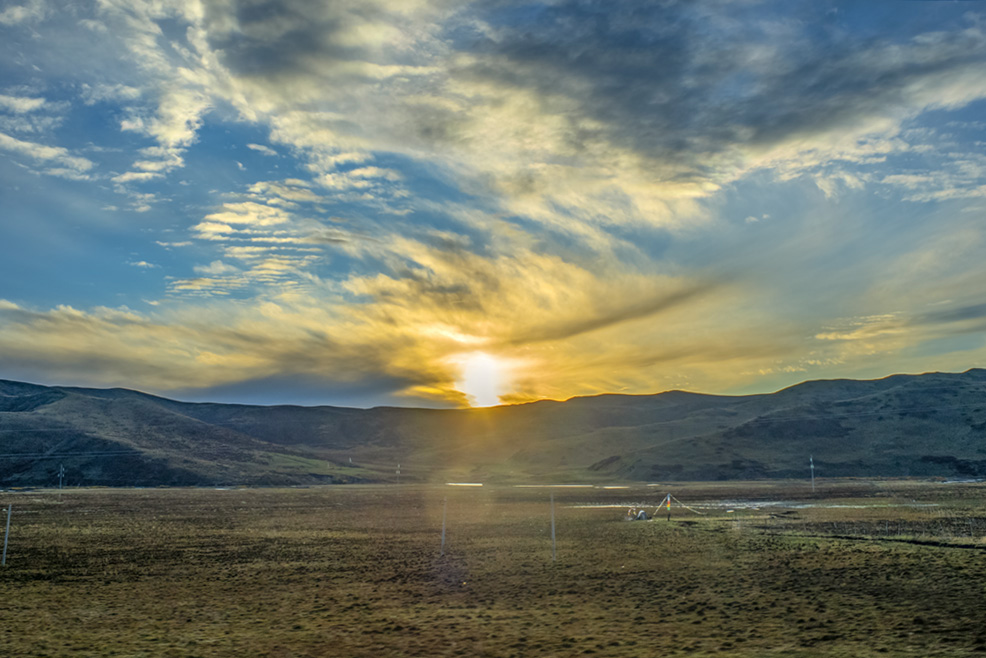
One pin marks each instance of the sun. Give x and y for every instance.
(483, 378)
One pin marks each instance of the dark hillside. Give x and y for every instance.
(905, 425)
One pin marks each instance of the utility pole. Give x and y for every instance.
(811, 462)
(61, 475)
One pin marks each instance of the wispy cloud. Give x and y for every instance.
(30, 12)
(20, 104)
(102, 92)
(65, 163)
(135, 177)
(287, 193)
(260, 148)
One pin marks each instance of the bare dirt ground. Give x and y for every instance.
(857, 569)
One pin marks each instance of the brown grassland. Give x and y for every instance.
(866, 569)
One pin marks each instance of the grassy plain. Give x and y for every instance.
(866, 569)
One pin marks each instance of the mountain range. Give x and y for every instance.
(929, 425)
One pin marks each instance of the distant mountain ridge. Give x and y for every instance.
(903, 425)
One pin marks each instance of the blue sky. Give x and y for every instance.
(439, 203)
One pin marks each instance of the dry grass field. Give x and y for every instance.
(858, 569)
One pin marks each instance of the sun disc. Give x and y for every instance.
(482, 379)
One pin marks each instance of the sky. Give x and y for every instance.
(442, 203)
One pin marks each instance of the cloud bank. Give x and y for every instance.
(610, 196)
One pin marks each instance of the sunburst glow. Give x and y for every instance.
(483, 380)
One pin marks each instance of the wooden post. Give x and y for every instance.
(554, 554)
(6, 535)
(444, 513)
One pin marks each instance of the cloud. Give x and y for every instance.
(953, 332)
(135, 177)
(249, 213)
(866, 328)
(265, 150)
(362, 178)
(216, 267)
(595, 116)
(191, 349)
(21, 104)
(31, 123)
(212, 286)
(635, 309)
(24, 112)
(66, 173)
(289, 192)
(212, 230)
(709, 101)
(574, 123)
(101, 92)
(176, 83)
(960, 314)
(562, 184)
(405, 328)
(960, 176)
(162, 159)
(62, 158)
(32, 12)
(375, 172)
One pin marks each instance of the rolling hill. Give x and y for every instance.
(904, 425)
